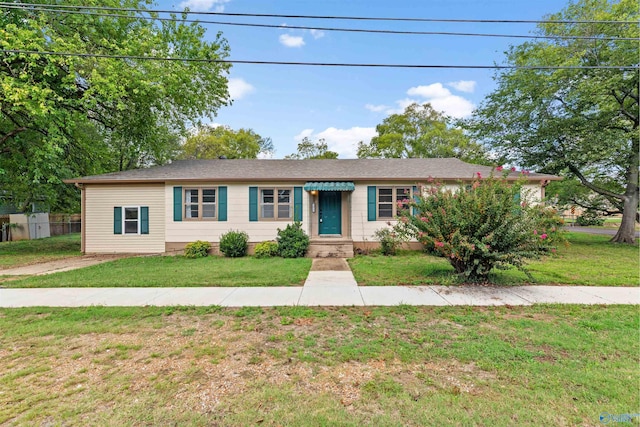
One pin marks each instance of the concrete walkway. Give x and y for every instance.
(320, 292)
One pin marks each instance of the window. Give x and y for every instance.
(131, 220)
(200, 203)
(392, 200)
(276, 203)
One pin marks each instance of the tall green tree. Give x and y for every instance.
(307, 149)
(420, 131)
(582, 123)
(63, 116)
(212, 142)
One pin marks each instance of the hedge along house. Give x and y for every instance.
(340, 203)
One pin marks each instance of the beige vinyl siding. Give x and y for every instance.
(532, 193)
(237, 215)
(100, 201)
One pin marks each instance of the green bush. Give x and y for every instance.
(266, 249)
(480, 226)
(197, 249)
(589, 217)
(389, 240)
(292, 241)
(234, 244)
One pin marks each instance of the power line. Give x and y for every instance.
(323, 64)
(352, 30)
(354, 18)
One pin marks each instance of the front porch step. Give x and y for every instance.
(332, 248)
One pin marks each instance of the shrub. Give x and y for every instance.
(292, 241)
(589, 217)
(479, 227)
(266, 249)
(389, 240)
(197, 249)
(234, 244)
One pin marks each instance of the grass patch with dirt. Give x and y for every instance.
(177, 271)
(588, 260)
(503, 366)
(25, 252)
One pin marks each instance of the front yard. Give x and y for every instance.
(171, 271)
(502, 366)
(588, 260)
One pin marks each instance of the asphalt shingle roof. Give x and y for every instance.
(302, 170)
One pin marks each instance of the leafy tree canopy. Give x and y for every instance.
(308, 149)
(420, 131)
(579, 122)
(63, 116)
(212, 142)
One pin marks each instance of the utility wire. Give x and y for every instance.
(354, 18)
(323, 64)
(352, 30)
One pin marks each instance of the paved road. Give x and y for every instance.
(591, 230)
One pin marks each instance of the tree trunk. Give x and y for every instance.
(626, 232)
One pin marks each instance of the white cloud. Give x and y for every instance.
(342, 141)
(238, 88)
(291, 41)
(435, 90)
(376, 108)
(442, 99)
(204, 5)
(317, 34)
(468, 86)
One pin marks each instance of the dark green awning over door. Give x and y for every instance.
(329, 186)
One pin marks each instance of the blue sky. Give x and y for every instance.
(343, 105)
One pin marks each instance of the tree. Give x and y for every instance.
(68, 115)
(420, 131)
(579, 122)
(479, 227)
(308, 149)
(212, 142)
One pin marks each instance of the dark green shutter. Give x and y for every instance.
(371, 203)
(297, 203)
(516, 203)
(415, 199)
(117, 220)
(144, 220)
(253, 203)
(177, 203)
(222, 203)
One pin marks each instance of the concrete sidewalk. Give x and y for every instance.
(319, 293)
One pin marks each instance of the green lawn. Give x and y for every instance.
(24, 252)
(162, 271)
(500, 366)
(588, 260)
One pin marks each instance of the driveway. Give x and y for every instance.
(59, 265)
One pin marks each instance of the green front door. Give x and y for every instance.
(330, 215)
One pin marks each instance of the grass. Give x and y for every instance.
(541, 365)
(177, 271)
(588, 260)
(25, 252)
